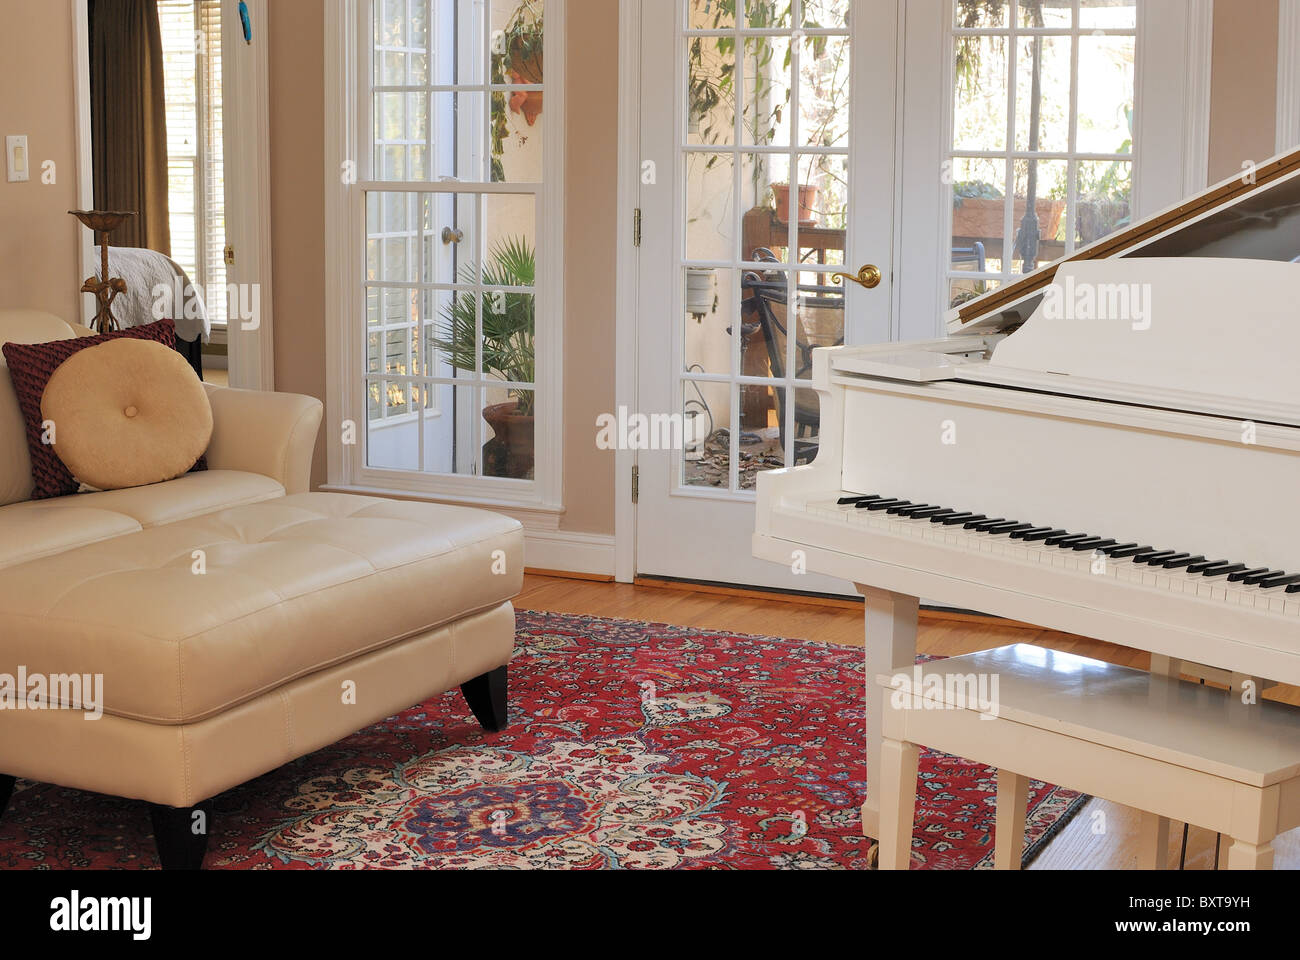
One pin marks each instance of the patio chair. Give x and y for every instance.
(972, 254)
(768, 304)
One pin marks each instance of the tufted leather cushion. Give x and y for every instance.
(287, 587)
(30, 368)
(41, 528)
(127, 413)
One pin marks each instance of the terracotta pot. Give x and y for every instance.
(807, 202)
(982, 217)
(510, 453)
(529, 103)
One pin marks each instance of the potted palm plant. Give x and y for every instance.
(509, 327)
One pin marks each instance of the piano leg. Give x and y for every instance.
(890, 643)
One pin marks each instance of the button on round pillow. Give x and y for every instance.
(127, 413)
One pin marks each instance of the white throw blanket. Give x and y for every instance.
(146, 273)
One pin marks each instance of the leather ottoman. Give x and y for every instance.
(233, 642)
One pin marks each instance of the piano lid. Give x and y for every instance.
(1181, 326)
(1255, 219)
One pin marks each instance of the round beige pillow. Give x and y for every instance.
(127, 413)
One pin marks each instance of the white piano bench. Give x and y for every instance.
(1171, 749)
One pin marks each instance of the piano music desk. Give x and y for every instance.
(1174, 750)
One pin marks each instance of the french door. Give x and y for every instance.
(768, 158)
(952, 144)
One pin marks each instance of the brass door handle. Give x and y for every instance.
(450, 236)
(868, 277)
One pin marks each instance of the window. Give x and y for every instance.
(459, 309)
(1039, 163)
(191, 36)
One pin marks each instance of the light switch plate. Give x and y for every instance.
(19, 161)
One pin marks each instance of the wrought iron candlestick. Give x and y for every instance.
(106, 289)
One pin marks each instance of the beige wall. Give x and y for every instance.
(1243, 104)
(39, 244)
(297, 104)
(591, 225)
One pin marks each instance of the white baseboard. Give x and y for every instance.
(586, 553)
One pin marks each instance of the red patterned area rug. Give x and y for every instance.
(630, 745)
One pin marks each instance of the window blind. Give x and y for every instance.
(191, 36)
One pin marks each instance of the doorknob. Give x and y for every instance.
(450, 236)
(869, 277)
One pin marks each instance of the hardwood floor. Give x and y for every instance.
(1102, 836)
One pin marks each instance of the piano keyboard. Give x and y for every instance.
(1178, 571)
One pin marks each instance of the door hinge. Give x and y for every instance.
(636, 484)
(636, 228)
(230, 255)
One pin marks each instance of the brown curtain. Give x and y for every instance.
(129, 119)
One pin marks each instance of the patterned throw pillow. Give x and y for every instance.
(30, 368)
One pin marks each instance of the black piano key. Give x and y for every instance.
(902, 505)
(943, 515)
(1258, 579)
(910, 511)
(1021, 534)
(1186, 560)
(1200, 566)
(1155, 559)
(1094, 544)
(1120, 553)
(1225, 571)
(982, 526)
(925, 514)
(1030, 536)
(964, 518)
(1242, 574)
(1111, 551)
(1065, 543)
(1294, 588)
(1002, 529)
(1056, 538)
(1142, 556)
(883, 504)
(857, 498)
(1282, 580)
(1266, 578)
(1086, 543)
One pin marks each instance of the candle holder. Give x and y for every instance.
(107, 289)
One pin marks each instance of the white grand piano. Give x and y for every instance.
(1109, 447)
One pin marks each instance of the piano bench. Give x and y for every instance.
(1173, 750)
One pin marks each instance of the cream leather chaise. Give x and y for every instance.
(238, 621)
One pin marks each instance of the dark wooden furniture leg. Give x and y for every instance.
(6, 791)
(486, 696)
(182, 837)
